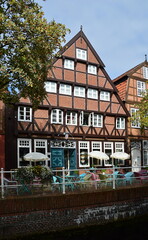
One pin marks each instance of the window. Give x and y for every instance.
(24, 147)
(92, 69)
(56, 116)
(120, 123)
(51, 87)
(105, 96)
(135, 121)
(92, 93)
(96, 120)
(119, 147)
(65, 89)
(84, 119)
(79, 91)
(108, 149)
(81, 54)
(140, 88)
(96, 146)
(40, 146)
(83, 154)
(68, 64)
(24, 114)
(145, 72)
(71, 118)
(145, 152)
(145, 157)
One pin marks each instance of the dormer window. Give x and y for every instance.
(140, 88)
(69, 64)
(81, 54)
(92, 69)
(145, 72)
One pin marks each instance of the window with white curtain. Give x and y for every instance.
(69, 64)
(105, 96)
(92, 69)
(92, 93)
(51, 87)
(65, 89)
(145, 72)
(79, 91)
(96, 120)
(81, 54)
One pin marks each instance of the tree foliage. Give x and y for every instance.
(143, 111)
(28, 45)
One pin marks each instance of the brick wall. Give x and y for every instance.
(29, 215)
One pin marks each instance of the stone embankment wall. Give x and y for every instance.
(30, 215)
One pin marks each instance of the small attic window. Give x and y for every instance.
(81, 54)
(145, 72)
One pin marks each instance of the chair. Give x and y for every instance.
(8, 184)
(128, 178)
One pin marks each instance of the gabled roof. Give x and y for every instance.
(131, 71)
(77, 36)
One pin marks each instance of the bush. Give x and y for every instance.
(28, 174)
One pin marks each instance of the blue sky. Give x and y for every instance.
(117, 29)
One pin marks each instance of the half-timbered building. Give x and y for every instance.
(131, 85)
(81, 113)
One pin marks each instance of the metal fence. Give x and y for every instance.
(65, 180)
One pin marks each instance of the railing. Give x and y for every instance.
(65, 180)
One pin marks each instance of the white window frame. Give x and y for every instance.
(69, 64)
(96, 146)
(24, 114)
(65, 89)
(81, 54)
(82, 118)
(58, 116)
(72, 118)
(84, 145)
(92, 93)
(119, 147)
(105, 96)
(79, 91)
(51, 87)
(120, 123)
(96, 120)
(106, 162)
(22, 143)
(42, 143)
(145, 72)
(92, 69)
(135, 123)
(140, 88)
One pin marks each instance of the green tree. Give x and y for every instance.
(28, 45)
(142, 113)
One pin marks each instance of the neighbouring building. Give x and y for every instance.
(81, 113)
(131, 85)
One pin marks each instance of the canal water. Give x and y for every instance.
(131, 229)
